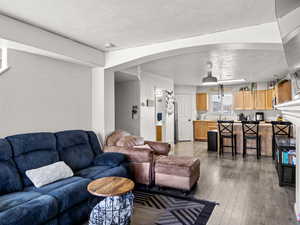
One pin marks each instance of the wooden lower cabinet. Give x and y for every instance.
(200, 130)
(158, 133)
(201, 127)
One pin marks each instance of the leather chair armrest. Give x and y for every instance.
(159, 148)
(134, 155)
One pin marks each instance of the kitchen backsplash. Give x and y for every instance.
(268, 115)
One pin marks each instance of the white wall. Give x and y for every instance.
(42, 94)
(127, 94)
(147, 125)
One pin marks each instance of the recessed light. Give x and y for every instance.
(109, 45)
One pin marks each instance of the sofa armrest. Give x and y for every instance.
(159, 148)
(134, 155)
(110, 159)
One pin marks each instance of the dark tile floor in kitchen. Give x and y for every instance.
(247, 190)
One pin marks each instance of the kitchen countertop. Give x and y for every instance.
(238, 122)
(205, 120)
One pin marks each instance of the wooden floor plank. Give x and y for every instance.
(247, 189)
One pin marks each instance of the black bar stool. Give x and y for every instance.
(226, 131)
(251, 132)
(280, 128)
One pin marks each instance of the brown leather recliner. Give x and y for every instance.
(141, 159)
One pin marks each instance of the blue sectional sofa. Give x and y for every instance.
(64, 202)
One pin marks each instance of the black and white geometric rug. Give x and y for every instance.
(161, 209)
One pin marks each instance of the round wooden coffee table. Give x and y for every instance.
(117, 206)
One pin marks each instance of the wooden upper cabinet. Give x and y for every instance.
(269, 99)
(238, 100)
(202, 101)
(260, 99)
(248, 100)
(283, 92)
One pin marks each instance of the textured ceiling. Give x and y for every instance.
(138, 22)
(189, 69)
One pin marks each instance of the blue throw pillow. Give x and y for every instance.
(109, 159)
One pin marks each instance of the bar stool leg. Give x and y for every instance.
(235, 145)
(273, 147)
(257, 150)
(221, 145)
(259, 147)
(232, 149)
(244, 147)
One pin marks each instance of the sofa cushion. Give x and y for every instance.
(27, 208)
(52, 222)
(9, 176)
(109, 159)
(74, 148)
(94, 142)
(78, 214)
(33, 151)
(67, 192)
(96, 172)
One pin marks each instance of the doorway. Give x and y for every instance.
(185, 114)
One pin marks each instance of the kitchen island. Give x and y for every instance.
(265, 130)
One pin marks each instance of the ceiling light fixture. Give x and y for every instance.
(224, 82)
(209, 79)
(232, 81)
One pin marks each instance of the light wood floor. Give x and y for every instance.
(247, 190)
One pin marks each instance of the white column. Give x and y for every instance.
(109, 100)
(98, 100)
(103, 102)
